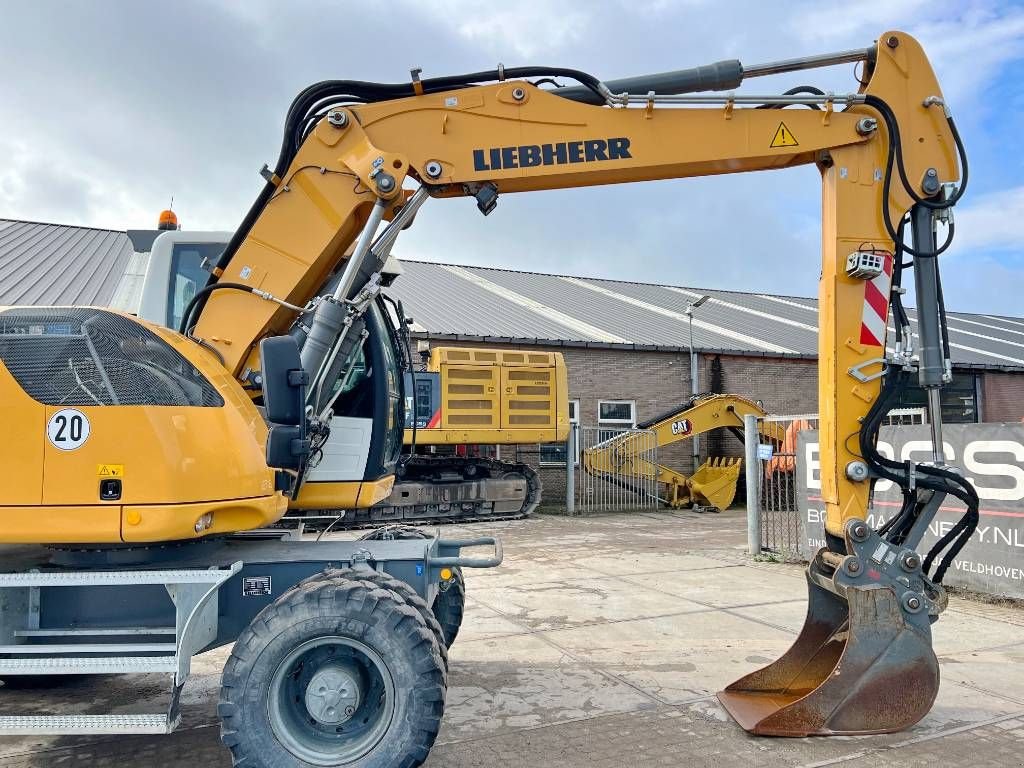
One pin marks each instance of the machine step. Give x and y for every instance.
(41, 725)
(116, 578)
(128, 649)
(94, 665)
(86, 632)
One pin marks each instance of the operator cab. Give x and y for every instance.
(358, 449)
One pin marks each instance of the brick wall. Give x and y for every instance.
(658, 381)
(1002, 396)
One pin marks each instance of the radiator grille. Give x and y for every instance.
(81, 356)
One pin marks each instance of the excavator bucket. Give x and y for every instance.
(863, 662)
(714, 482)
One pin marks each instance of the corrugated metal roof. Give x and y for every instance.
(531, 307)
(56, 264)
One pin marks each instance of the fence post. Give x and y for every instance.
(751, 439)
(570, 471)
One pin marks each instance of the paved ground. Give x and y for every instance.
(601, 643)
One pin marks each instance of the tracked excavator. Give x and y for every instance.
(462, 396)
(141, 456)
(713, 483)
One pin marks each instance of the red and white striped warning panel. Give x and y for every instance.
(876, 305)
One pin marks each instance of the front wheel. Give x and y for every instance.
(334, 673)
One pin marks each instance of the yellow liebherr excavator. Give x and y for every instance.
(713, 483)
(129, 432)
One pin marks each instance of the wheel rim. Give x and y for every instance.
(331, 700)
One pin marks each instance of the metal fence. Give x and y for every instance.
(781, 533)
(780, 521)
(617, 470)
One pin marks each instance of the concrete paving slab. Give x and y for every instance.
(627, 561)
(577, 602)
(676, 658)
(483, 623)
(727, 585)
(490, 698)
(987, 671)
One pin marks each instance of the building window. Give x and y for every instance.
(554, 453)
(959, 399)
(616, 413)
(614, 416)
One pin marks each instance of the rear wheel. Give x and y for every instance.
(336, 672)
(450, 603)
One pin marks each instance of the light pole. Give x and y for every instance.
(694, 372)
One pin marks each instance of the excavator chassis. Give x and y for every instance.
(863, 662)
(132, 610)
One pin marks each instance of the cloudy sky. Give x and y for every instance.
(107, 109)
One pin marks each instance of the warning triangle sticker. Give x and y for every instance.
(783, 138)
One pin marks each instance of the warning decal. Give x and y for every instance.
(783, 138)
(110, 470)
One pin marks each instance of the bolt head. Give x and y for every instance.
(910, 562)
(433, 169)
(518, 94)
(866, 125)
(912, 603)
(337, 118)
(859, 531)
(852, 565)
(385, 183)
(892, 41)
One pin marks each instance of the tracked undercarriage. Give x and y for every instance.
(446, 489)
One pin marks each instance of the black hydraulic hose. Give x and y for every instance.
(935, 478)
(894, 158)
(800, 89)
(186, 317)
(320, 94)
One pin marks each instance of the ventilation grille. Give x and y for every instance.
(80, 356)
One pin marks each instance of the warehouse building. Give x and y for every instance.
(627, 345)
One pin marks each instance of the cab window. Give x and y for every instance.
(188, 276)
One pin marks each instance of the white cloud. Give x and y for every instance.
(992, 222)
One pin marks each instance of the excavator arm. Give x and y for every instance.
(889, 158)
(714, 483)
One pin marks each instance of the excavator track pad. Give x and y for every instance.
(863, 662)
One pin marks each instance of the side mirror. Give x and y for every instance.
(284, 381)
(284, 399)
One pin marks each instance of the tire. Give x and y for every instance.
(366, 645)
(400, 588)
(450, 605)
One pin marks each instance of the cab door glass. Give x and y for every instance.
(188, 276)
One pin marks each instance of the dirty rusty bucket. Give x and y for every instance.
(863, 662)
(714, 482)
